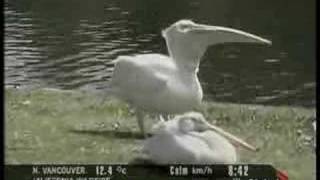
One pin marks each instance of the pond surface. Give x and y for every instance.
(71, 45)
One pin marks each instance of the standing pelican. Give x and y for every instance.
(190, 139)
(169, 84)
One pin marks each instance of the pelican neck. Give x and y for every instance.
(185, 67)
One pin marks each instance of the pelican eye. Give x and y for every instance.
(194, 119)
(185, 27)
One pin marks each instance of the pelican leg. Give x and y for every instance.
(160, 118)
(164, 117)
(140, 117)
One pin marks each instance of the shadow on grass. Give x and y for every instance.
(111, 133)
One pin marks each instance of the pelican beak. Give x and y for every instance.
(218, 34)
(232, 138)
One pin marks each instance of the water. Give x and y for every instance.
(71, 45)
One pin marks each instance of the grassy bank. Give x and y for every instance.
(53, 127)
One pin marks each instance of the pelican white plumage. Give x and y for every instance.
(169, 85)
(190, 139)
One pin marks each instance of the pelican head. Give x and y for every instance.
(187, 40)
(194, 121)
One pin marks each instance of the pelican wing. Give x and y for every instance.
(170, 149)
(219, 150)
(138, 76)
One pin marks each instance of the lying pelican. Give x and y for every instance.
(169, 84)
(190, 139)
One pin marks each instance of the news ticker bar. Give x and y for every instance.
(122, 171)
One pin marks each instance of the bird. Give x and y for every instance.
(168, 85)
(190, 139)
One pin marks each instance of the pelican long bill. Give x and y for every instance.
(221, 34)
(234, 139)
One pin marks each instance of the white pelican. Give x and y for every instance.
(169, 84)
(188, 139)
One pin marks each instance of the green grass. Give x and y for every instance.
(54, 127)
